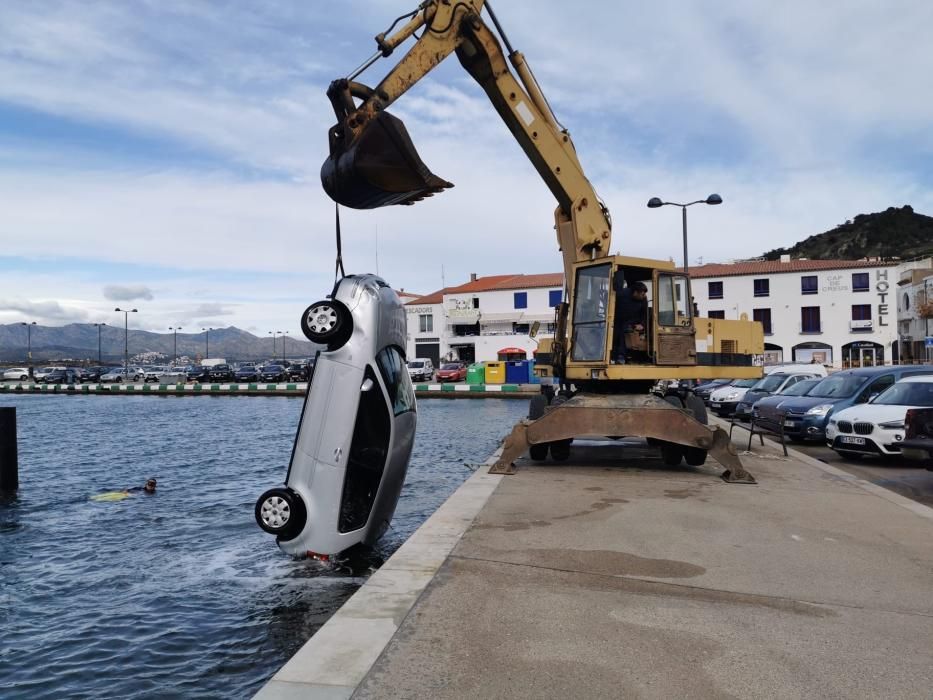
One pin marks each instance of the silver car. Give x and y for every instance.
(356, 430)
(117, 374)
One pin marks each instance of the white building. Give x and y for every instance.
(838, 312)
(915, 311)
(474, 321)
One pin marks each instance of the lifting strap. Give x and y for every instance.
(339, 266)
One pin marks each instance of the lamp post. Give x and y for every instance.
(656, 202)
(284, 336)
(207, 342)
(28, 341)
(126, 338)
(99, 326)
(175, 330)
(273, 344)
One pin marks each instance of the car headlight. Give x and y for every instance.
(731, 395)
(832, 422)
(821, 410)
(892, 425)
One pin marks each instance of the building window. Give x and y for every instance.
(717, 314)
(475, 302)
(763, 316)
(555, 297)
(861, 312)
(809, 284)
(426, 323)
(859, 281)
(521, 328)
(810, 319)
(762, 288)
(521, 300)
(715, 291)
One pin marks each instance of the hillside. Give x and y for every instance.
(78, 341)
(893, 233)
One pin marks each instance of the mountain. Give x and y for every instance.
(893, 233)
(78, 341)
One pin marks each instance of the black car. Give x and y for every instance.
(198, 374)
(60, 376)
(221, 373)
(707, 388)
(273, 373)
(91, 374)
(247, 374)
(298, 372)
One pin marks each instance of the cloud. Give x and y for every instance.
(43, 310)
(210, 311)
(117, 292)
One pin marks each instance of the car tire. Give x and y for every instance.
(24, 378)
(671, 453)
(119, 380)
(538, 452)
(280, 512)
(327, 323)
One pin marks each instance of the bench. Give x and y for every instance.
(761, 427)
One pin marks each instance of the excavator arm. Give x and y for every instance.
(373, 162)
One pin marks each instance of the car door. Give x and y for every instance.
(875, 387)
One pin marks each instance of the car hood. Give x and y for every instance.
(803, 403)
(875, 413)
(721, 393)
(753, 396)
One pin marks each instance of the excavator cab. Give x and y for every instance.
(373, 162)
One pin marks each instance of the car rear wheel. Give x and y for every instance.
(280, 512)
(327, 322)
(24, 378)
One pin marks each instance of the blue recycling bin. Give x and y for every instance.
(517, 372)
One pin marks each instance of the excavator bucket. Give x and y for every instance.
(377, 167)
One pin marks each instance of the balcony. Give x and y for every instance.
(861, 326)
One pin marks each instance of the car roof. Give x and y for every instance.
(918, 378)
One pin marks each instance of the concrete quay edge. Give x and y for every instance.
(332, 664)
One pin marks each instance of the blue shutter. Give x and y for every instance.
(521, 300)
(555, 297)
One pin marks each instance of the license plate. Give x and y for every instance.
(788, 424)
(852, 440)
(715, 405)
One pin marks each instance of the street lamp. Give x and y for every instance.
(656, 202)
(175, 330)
(207, 342)
(284, 336)
(99, 325)
(126, 339)
(273, 344)
(28, 341)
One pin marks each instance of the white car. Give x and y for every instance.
(421, 369)
(356, 430)
(877, 427)
(154, 374)
(39, 373)
(724, 400)
(18, 373)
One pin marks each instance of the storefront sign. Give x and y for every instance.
(420, 309)
(882, 287)
(835, 283)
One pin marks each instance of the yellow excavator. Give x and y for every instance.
(373, 163)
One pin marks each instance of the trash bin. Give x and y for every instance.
(533, 377)
(476, 374)
(516, 372)
(495, 372)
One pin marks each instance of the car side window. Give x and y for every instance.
(876, 387)
(395, 375)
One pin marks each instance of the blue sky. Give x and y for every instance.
(172, 149)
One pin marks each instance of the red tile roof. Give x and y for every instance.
(494, 283)
(772, 267)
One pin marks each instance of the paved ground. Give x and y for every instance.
(612, 576)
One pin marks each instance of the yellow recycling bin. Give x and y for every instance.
(495, 372)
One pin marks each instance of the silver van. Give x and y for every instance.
(421, 369)
(356, 430)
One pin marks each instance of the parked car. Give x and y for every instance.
(247, 374)
(356, 430)
(273, 373)
(773, 383)
(154, 373)
(724, 399)
(16, 373)
(421, 369)
(40, 372)
(298, 372)
(706, 388)
(198, 374)
(877, 427)
(769, 407)
(60, 376)
(451, 372)
(174, 375)
(118, 374)
(918, 436)
(806, 417)
(91, 374)
(221, 373)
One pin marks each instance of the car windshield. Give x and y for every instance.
(800, 388)
(745, 383)
(907, 394)
(838, 387)
(450, 366)
(274, 368)
(416, 364)
(770, 383)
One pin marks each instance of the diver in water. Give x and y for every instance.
(149, 487)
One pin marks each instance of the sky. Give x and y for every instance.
(165, 155)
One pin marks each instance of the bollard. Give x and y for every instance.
(9, 468)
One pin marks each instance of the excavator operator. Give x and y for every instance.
(630, 315)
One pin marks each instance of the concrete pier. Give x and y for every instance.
(611, 575)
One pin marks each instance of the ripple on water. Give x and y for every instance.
(180, 594)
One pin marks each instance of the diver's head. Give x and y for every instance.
(150, 485)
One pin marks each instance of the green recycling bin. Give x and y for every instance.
(476, 374)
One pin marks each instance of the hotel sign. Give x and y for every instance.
(882, 287)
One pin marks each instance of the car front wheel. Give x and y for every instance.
(280, 512)
(327, 322)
